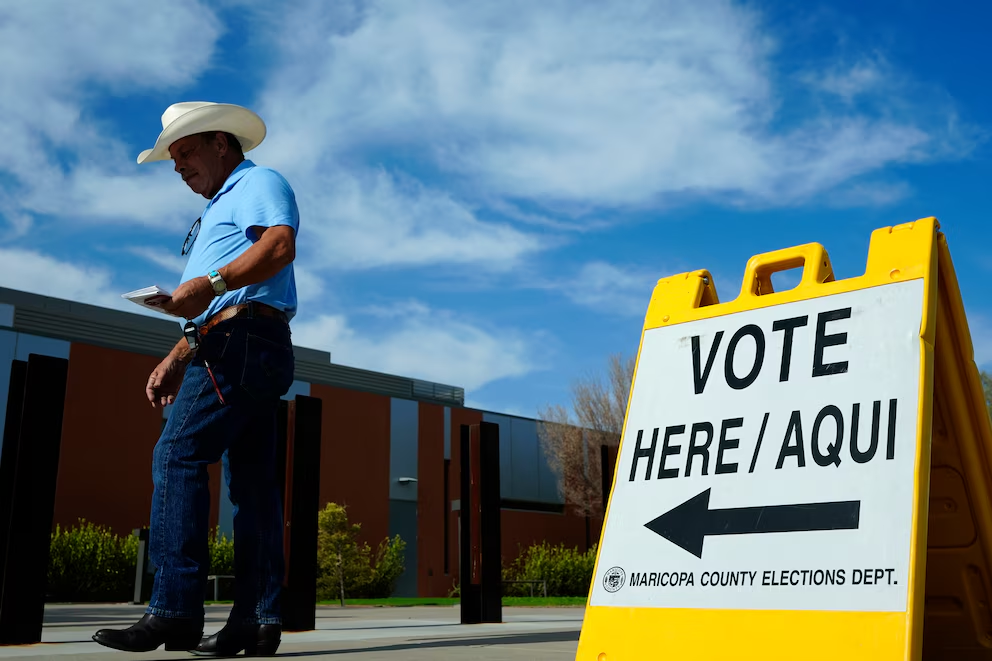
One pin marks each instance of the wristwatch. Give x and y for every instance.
(217, 282)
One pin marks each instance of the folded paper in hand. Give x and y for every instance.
(151, 298)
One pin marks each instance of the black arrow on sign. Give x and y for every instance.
(687, 524)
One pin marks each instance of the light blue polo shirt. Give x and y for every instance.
(252, 195)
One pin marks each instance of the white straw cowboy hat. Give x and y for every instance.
(189, 118)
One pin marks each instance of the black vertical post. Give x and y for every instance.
(607, 474)
(142, 586)
(282, 433)
(302, 503)
(8, 455)
(445, 513)
(283, 421)
(468, 577)
(28, 538)
(480, 576)
(492, 574)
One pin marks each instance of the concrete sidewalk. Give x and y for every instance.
(366, 634)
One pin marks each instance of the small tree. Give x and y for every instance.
(346, 567)
(339, 555)
(572, 439)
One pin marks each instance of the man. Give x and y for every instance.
(224, 381)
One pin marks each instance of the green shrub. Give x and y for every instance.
(387, 568)
(346, 566)
(88, 562)
(221, 554)
(567, 571)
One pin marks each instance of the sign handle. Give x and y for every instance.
(812, 257)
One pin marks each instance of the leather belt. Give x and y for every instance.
(252, 308)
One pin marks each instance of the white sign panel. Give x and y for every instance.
(768, 460)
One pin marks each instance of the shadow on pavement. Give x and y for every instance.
(507, 639)
(111, 618)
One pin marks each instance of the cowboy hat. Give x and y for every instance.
(189, 118)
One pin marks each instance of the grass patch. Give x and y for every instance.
(544, 601)
(394, 601)
(453, 601)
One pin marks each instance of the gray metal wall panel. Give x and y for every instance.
(298, 388)
(45, 346)
(524, 470)
(8, 349)
(403, 423)
(506, 459)
(6, 315)
(225, 510)
(526, 459)
(548, 481)
(403, 522)
(447, 432)
(19, 346)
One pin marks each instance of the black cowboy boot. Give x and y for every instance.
(254, 639)
(152, 631)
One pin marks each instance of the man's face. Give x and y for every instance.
(200, 163)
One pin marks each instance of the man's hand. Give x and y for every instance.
(164, 381)
(191, 298)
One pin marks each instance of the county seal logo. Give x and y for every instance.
(614, 579)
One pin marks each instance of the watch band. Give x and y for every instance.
(217, 282)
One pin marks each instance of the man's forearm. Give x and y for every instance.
(265, 258)
(181, 352)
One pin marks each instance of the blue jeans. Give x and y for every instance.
(252, 362)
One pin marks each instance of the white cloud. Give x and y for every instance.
(610, 288)
(425, 344)
(309, 286)
(377, 219)
(61, 156)
(156, 198)
(116, 43)
(35, 272)
(574, 105)
(173, 263)
(866, 76)
(507, 121)
(39, 273)
(877, 194)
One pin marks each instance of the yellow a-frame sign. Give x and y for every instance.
(804, 474)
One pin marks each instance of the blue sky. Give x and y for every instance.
(489, 190)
